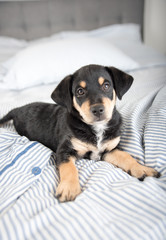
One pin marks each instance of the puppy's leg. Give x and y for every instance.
(124, 161)
(69, 186)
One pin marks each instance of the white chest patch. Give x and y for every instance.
(99, 129)
(83, 147)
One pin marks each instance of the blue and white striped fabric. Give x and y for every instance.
(112, 205)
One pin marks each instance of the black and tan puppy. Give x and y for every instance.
(83, 124)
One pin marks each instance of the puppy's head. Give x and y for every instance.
(92, 91)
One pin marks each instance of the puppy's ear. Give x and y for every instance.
(62, 94)
(121, 80)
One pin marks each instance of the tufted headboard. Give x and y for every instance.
(38, 18)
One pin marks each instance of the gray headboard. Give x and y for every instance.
(38, 18)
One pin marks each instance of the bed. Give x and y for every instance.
(112, 205)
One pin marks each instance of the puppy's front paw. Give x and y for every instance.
(68, 190)
(141, 172)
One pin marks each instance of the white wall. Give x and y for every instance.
(155, 24)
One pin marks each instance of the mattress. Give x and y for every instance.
(112, 204)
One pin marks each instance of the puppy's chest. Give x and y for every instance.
(98, 148)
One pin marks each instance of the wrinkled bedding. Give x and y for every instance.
(112, 205)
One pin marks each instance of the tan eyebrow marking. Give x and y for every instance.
(101, 80)
(83, 84)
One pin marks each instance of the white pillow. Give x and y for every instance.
(50, 62)
(12, 42)
(129, 32)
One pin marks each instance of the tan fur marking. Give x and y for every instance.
(101, 80)
(110, 144)
(82, 147)
(86, 114)
(126, 162)
(109, 106)
(69, 186)
(84, 111)
(83, 84)
(68, 169)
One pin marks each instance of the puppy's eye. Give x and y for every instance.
(106, 86)
(80, 92)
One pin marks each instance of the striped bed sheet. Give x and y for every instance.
(112, 205)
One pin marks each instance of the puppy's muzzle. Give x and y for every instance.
(98, 111)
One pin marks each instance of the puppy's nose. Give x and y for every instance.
(97, 110)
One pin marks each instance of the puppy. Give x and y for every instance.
(83, 124)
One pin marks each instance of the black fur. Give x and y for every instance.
(55, 124)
